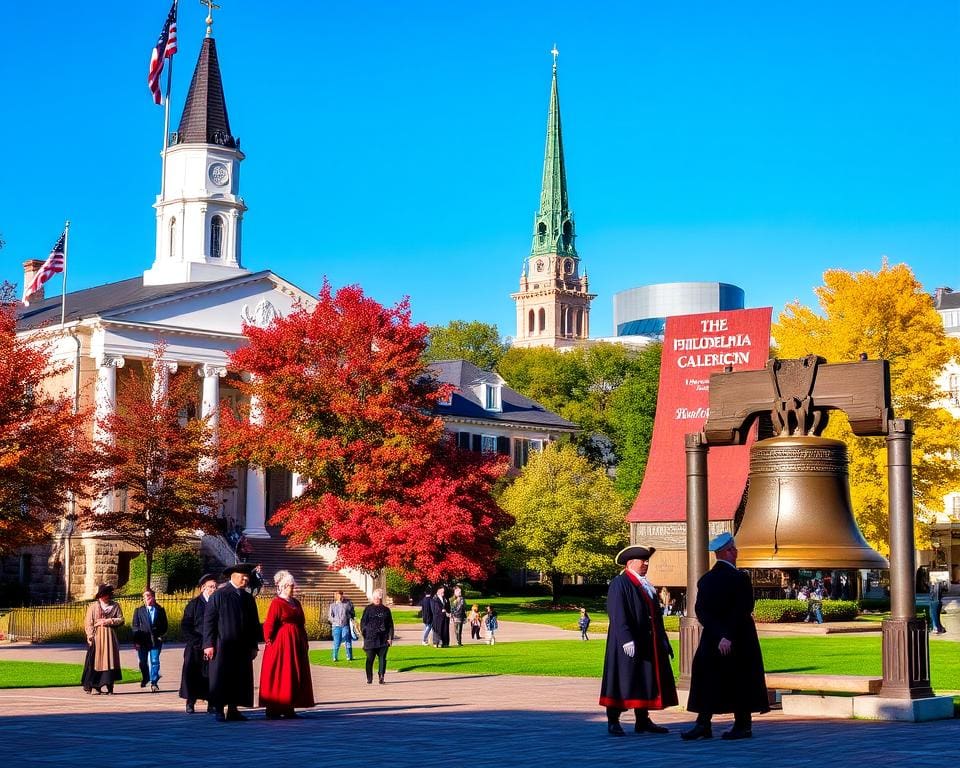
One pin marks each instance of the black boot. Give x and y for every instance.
(613, 722)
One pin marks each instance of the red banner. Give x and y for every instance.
(694, 346)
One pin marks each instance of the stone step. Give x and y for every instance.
(311, 571)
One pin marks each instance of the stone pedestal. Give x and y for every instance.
(908, 710)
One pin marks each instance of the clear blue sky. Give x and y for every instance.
(399, 145)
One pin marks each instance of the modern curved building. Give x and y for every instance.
(643, 311)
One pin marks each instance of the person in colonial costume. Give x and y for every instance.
(194, 683)
(727, 672)
(101, 669)
(285, 675)
(636, 667)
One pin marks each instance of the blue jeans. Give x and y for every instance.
(427, 629)
(153, 672)
(342, 635)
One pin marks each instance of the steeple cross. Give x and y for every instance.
(555, 53)
(210, 6)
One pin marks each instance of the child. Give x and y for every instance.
(490, 622)
(584, 623)
(474, 620)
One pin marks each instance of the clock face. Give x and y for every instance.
(568, 266)
(539, 265)
(219, 174)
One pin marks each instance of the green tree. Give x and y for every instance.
(885, 315)
(476, 342)
(569, 519)
(632, 408)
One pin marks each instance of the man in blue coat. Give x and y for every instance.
(727, 672)
(636, 668)
(149, 628)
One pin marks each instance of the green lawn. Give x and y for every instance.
(42, 674)
(829, 654)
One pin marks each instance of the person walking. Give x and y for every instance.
(727, 672)
(426, 615)
(376, 626)
(441, 619)
(285, 675)
(231, 637)
(491, 625)
(584, 623)
(341, 614)
(194, 682)
(458, 612)
(636, 666)
(149, 627)
(101, 668)
(475, 622)
(937, 588)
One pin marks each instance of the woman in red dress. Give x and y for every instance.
(285, 675)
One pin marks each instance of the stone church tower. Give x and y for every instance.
(553, 303)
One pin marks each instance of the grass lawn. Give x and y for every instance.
(43, 674)
(830, 654)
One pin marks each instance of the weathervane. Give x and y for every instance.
(210, 6)
(554, 51)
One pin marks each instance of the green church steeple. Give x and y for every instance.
(554, 231)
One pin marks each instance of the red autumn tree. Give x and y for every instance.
(46, 450)
(343, 398)
(163, 462)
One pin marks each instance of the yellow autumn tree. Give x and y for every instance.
(885, 315)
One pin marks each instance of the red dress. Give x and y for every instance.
(285, 675)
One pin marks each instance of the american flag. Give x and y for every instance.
(55, 263)
(165, 48)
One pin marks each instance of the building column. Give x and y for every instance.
(698, 560)
(161, 379)
(105, 404)
(210, 405)
(256, 501)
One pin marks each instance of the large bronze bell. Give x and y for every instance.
(798, 512)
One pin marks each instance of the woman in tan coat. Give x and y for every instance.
(102, 666)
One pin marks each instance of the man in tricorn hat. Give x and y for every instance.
(727, 672)
(194, 683)
(636, 668)
(231, 637)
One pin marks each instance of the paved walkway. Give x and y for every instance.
(456, 719)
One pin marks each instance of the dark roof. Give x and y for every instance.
(945, 298)
(107, 299)
(204, 119)
(465, 404)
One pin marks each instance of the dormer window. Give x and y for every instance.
(491, 397)
(216, 237)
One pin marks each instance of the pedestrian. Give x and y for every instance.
(491, 624)
(441, 619)
(256, 580)
(458, 612)
(341, 614)
(815, 605)
(285, 675)
(475, 622)
(727, 672)
(231, 637)
(101, 668)
(937, 589)
(376, 626)
(666, 600)
(194, 682)
(149, 627)
(426, 615)
(636, 665)
(584, 623)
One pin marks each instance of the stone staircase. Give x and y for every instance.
(311, 571)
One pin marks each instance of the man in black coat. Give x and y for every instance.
(231, 637)
(426, 613)
(727, 673)
(149, 628)
(194, 683)
(441, 619)
(636, 668)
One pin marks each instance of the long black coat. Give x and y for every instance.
(376, 624)
(193, 676)
(735, 682)
(441, 621)
(646, 680)
(231, 626)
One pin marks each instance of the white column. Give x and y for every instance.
(210, 405)
(161, 379)
(105, 404)
(256, 504)
(298, 484)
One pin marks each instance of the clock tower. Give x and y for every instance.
(553, 303)
(199, 209)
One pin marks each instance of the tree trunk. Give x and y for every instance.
(556, 584)
(148, 556)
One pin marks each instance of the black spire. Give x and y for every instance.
(204, 119)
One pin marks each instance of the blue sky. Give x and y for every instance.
(399, 145)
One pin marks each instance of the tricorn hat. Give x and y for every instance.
(103, 589)
(634, 552)
(238, 568)
(205, 578)
(717, 543)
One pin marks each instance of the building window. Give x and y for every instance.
(488, 444)
(172, 246)
(532, 322)
(522, 449)
(955, 504)
(543, 319)
(542, 233)
(491, 397)
(216, 237)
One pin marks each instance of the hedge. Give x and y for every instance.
(785, 611)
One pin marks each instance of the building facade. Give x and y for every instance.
(643, 311)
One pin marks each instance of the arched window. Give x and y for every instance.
(563, 320)
(542, 315)
(172, 240)
(567, 234)
(216, 237)
(542, 233)
(530, 322)
(579, 323)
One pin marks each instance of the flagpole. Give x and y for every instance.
(63, 289)
(166, 132)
